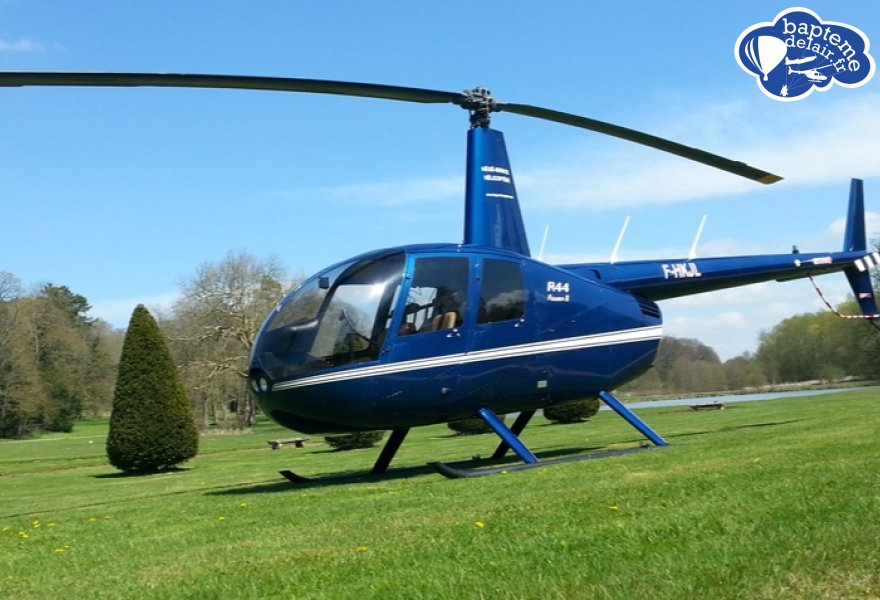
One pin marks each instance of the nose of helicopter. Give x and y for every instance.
(258, 382)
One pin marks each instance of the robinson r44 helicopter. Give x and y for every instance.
(421, 334)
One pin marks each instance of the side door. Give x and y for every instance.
(430, 333)
(505, 362)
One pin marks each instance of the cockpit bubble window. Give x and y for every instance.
(337, 316)
(502, 296)
(357, 312)
(437, 296)
(301, 305)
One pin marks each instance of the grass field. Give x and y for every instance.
(773, 499)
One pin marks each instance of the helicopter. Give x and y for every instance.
(812, 74)
(421, 334)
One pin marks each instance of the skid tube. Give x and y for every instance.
(379, 467)
(510, 440)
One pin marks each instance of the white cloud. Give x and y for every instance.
(812, 145)
(20, 46)
(833, 234)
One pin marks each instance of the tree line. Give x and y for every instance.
(807, 347)
(58, 365)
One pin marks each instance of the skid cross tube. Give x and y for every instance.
(507, 436)
(522, 420)
(390, 449)
(632, 419)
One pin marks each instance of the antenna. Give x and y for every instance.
(614, 256)
(693, 253)
(543, 243)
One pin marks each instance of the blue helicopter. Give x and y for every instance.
(432, 333)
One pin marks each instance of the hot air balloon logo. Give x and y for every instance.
(765, 52)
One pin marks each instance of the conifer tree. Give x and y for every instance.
(151, 426)
(575, 411)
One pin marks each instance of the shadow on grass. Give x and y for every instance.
(359, 477)
(556, 456)
(136, 474)
(738, 428)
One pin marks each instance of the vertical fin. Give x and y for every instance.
(492, 214)
(855, 240)
(855, 237)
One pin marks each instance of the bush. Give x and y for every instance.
(575, 411)
(151, 426)
(472, 426)
(352, 441)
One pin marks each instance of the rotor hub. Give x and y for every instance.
(480, 104)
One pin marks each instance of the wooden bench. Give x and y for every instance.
(708, 406)
(297, 442)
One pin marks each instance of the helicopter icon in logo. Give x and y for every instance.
(813, 74)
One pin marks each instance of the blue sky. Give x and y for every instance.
(121, 194)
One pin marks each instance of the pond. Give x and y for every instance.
(729, 399)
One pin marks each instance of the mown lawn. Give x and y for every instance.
(773, 499)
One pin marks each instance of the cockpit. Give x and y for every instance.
(346, 313)
(336, 317)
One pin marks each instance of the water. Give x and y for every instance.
(729, 399)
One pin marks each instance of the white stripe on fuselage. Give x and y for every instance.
(626, 336)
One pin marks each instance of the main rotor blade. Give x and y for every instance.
(646, 139)
(373, 90)
(276, 84)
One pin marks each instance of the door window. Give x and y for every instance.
(502, 296)
(437, 297)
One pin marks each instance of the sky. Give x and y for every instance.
(121, 194)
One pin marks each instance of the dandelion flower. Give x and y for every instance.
(361, 548)
(243, 505)
(614, 507)
(221, 518)
(59, 550)
(50, 524)
(92, 519)
(479, 524)
(23, 535)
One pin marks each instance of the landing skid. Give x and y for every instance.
(294, 478)
(509, 441)
(342, 478)
(451, 472)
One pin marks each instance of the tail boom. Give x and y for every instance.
(664, 279)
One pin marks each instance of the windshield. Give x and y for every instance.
(336, 317)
